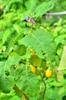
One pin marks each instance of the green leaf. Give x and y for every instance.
(15, 98)
(41, 41)
(10, 96)
(60, 39)
(18, 29)
(31, 4)
(4, 85)
(1, 67)
(53, 94)
(6, 35)
(12, 60)
(21, 50)
(43, 8)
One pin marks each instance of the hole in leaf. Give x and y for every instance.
(64, 98)
(7, 73)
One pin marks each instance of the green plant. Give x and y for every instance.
(32, 40)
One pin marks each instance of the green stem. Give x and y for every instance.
(20, 92)
(44, 89)
(42, 93)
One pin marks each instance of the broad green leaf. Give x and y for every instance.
(12, 59)
(43, 8)
(62, 91)
(40, 41)
(4, 85)
(52, 94)
(31, 4)
(31, 81)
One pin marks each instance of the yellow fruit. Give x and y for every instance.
(48, 73)
(33, 69)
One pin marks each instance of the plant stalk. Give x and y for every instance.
(20, 92)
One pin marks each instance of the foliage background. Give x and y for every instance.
(26, 28)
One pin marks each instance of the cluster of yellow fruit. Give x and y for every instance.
(48, 72)
(36, 61)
